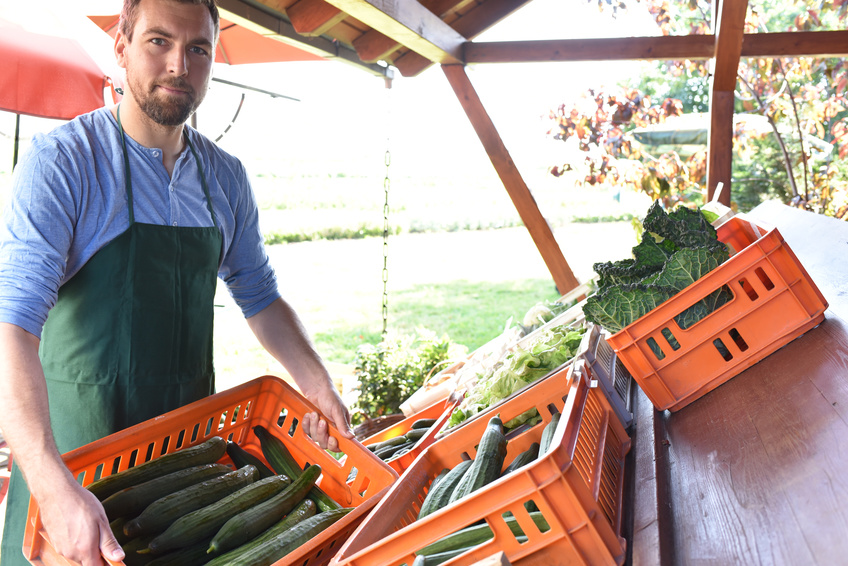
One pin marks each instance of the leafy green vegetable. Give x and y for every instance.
(676, 250)
(519, 368)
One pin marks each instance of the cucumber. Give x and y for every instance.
(157, 516)
(132, 500)
(439, 495)
(131, 551)
(423, 423)
(274, 548)
(487, 464)
(529, 455)
(117, 526)
(415, 433)
(303, 511)
(207, 452)
(252, 522)
(194, 555)
(283, 462)
(205, 522)
(389, 451)
(394, 441)
(242, 457)
(548, 434)
(478, 534)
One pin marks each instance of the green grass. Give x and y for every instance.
(469, 313)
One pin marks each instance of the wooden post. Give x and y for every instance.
(730, 27)
(521, 197)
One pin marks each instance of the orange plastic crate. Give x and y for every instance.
(440, 410)
(577, 486)
(232, 414)
(774, 302)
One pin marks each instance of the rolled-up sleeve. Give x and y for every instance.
(35, 236)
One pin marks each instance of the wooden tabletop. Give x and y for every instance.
(756, 471)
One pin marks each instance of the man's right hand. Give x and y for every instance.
(77, 526)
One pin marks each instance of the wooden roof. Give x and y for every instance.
(412, 35)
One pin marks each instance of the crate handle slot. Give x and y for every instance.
(655, 348)
(764, 278)
(738, 340)
(722, 350)
(669, 337)
(748, 289)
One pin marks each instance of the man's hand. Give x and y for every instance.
(330, 403)
(77, 525)
(281, 333)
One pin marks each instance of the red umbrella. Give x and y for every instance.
(47, 76)
(237, 45)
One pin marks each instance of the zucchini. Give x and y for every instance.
(304, 510)
(252, 522)
(487, 464)
(132, 500)
(283, 462)
(205, 522)
(273, 548)
(207, 452)
(478, 534)
(157, 516)
(242, 457)
(548, 434)
(440, 492)
(423, 423)
(529, 455)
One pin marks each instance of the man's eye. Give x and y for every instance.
(198, 50)
(157, 41)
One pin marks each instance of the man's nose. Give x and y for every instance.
(178, 62)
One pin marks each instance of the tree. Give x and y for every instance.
(803, 100)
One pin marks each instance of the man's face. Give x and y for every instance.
(169, 60)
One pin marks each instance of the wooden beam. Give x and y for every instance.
(729, 33)
(693, 47)
(313, 17)
(594, 49)
(521, 196)
(373, 45)
(410, 24)
(796, 44)
(268, 22)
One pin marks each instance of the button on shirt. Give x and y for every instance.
(68, 201)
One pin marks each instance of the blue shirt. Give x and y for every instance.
(69, 200)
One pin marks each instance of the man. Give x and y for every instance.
(123, 219)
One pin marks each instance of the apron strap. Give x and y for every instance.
(128, 177)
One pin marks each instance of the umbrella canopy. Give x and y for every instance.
(46, 75)
(237, 45)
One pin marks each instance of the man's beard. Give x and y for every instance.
(162, 108)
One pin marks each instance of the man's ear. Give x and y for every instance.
(121, 44)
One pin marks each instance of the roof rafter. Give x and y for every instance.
(410, 24)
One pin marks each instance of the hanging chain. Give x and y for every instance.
(386, 186)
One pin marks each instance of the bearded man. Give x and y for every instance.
(119, 225)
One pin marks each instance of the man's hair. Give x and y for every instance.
(129, 15)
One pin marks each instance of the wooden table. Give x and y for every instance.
(756, 471)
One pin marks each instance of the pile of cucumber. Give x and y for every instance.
(186, 508)
(388, 450)
(451, 485)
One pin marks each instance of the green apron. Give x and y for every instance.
(130, 338)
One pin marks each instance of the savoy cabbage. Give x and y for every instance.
(676, 249)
